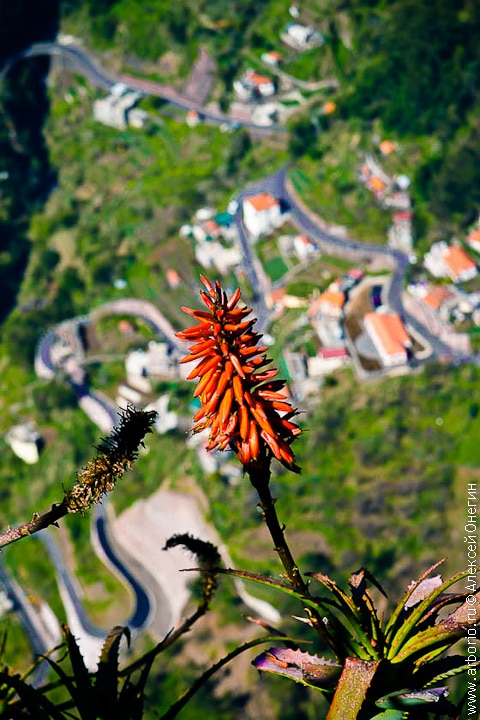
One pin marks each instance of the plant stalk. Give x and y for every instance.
(37, 523)
(260, 481)
(260, 477)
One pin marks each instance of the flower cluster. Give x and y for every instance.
(241, 404)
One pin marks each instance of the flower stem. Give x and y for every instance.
(259, 477)
(259, 474)
(38, 522)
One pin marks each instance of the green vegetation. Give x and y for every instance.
(85, 205)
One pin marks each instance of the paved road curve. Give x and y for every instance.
(82, 61)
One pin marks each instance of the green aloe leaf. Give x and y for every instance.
(396, 619)
(428, 644)
(438, 671)
(357, 617)
(106, 681)
(299, 666)
(365, 603)
(82, 701)
(83, 682)
(343, 640)
(408, 625)
(33, 700)
(408, 698)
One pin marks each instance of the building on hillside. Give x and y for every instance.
(326, 361)
(304, 247)
(436, 295)
(173, 278)
(262, 213)
(212, 254)
(473, 239)
(387, 147)
(165, 420)
(254, 86)
(278, 299)
(450, 261)
(272, 58)
(459, 265)
(268, 114)
(330, 304)
(400, 233)
(301, 37)
(157, 360)
(25, 442)
(118, 110)
(389, 337)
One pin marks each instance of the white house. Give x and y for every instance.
(326, 361)
(116, 109)
(215, 255)
(25, 442)
(304, 247)
(301, 37)
(450, 261)
(261, 214)
(459, 265)
(254, 85)
(473, 239)
(389, 336)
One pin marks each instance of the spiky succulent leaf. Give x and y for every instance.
(409, 698)
(81, 675)
(106, 680)
(397, 617)
(342, 636)
(32, 700)
(302, 667)
(357, 618)
(436, 672)
(410, 622)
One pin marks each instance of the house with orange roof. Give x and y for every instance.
(450, 261)
(389, 336)
(330, 304)
(272, 58)
(387, 147)
(473, 239)
(173, 278)
(459, 265)
(254, 85)
(261, 214)
(304, 247)
(436, 295)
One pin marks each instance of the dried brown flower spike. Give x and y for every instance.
(116, 454)
(242, 405)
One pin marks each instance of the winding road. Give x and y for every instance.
(281, 187)
(82, 61)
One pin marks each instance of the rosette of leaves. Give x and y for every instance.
(383, 670)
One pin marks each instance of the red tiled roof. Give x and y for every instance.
(328, 353)
(436, 296)
(390, 331)
(474, 236)
(355, 273)
(258, 79)
(457, 260)
(263, 201)
(333, 297)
